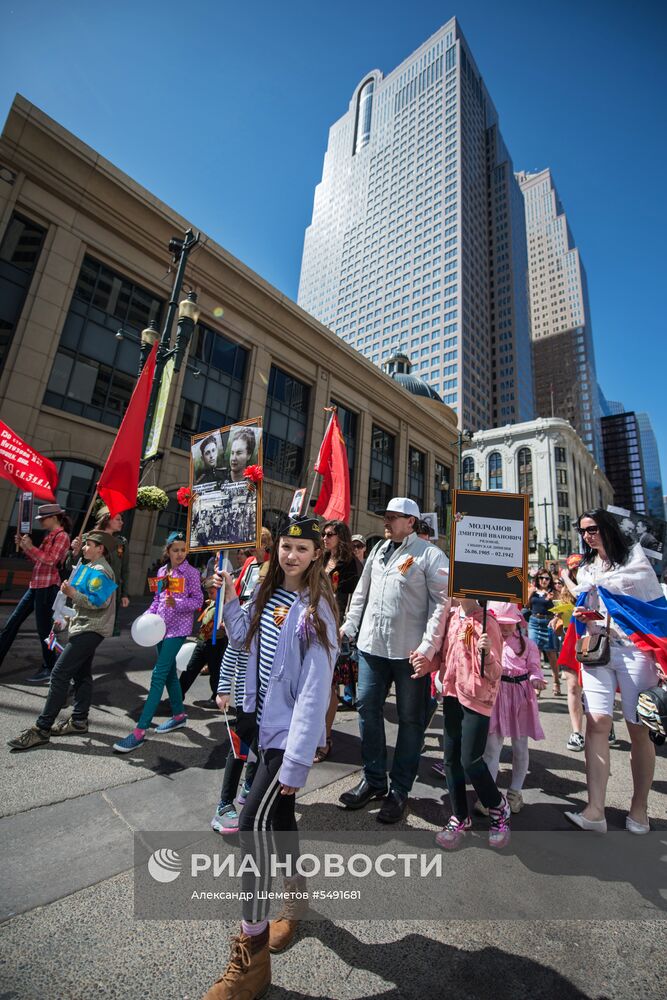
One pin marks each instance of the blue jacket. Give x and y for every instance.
(299, 690)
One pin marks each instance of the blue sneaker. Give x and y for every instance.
(129, 744)
(244, 793)
(171, 724)
(226, 819)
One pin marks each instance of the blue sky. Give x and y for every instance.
(222, 110)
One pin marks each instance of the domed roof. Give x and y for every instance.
(416, 385)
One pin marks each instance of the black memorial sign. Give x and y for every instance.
(489, 546)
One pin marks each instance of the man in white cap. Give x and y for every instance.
(400, 605)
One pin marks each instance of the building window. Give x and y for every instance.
(19, 252)
(563, 499)
(416, 473)
(93, 373)
(348, 425)
(561, 477)
(525, 471)
(214, 398)
(381, 480)
(561, 455)
(364, 116)
(285, 425)
(467, 473)
(441, 487)
(173, 518)
(495, 466)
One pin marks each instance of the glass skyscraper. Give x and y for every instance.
(417, 241)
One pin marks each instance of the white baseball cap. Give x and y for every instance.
(402, 505)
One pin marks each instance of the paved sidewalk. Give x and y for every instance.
(68, 815)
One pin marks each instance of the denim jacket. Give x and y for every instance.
(299, 689)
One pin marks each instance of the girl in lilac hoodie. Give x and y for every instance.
(179, 596)
(290, 630)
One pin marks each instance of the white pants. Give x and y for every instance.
(494, 745)
(628, 669)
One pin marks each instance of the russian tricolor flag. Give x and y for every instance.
(644, 623)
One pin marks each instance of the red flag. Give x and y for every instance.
(333, 502)
(25, 467)
(119, 481)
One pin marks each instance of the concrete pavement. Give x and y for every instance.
(69, 813)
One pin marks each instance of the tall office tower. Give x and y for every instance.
(563, 355)
(623, 460)
(651, 464)
(417, 240)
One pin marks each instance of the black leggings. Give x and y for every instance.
(266, 811)
(204, 653)
(465, 741)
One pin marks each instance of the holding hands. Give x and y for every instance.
(421, 664)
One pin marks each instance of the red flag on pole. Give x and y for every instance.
(119, 481)
(333, 503)
(25, 467)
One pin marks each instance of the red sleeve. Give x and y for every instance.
(57, 551)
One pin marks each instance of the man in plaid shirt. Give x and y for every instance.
(44, 585)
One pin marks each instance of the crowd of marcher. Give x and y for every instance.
(311, 624)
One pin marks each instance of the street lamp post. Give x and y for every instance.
(546, 503)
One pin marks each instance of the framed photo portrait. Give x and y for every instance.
(226, 506)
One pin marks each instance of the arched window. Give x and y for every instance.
(495, 465)
(468, 473)
(525, 471)
(364, 115)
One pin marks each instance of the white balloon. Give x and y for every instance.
(184, 655)
(148, 630)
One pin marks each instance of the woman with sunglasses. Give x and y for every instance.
(611, 561)
(540, 604)
(343, 569)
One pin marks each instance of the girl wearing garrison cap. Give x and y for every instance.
(290, 630)
(178, 597)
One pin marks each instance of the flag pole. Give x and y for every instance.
(331, 410)
(88, 513)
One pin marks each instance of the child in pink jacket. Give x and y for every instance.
(469, 694)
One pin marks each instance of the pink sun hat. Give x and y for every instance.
(505, 613)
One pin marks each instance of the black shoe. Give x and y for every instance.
(393, 807)
(361, 795)
(42, 677)
(346, 706)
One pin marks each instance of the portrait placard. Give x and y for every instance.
(489, 546)
(297, 504)
(226, 506)
(26, 501)
(431, 518)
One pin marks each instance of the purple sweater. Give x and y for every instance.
(180, 618)
(299, 689)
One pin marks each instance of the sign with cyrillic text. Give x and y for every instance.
(489, 546)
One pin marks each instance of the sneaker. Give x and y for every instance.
(613, 741)
(480, 809)
(515, 800)
(438, 768)
(29, 738)
(171, 724)
(129, 744)
(226, 819)
(42, 677)
(69, 727)
(499, 832)
(244, 793)
(576, 742)
(451, 836)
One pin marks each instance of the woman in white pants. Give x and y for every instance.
(611, 561)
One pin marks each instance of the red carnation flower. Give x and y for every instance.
(253, 473)
(184, 496)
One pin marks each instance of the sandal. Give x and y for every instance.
(557, 693)
(322, 753)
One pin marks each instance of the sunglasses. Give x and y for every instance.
(358, 545)
(329, 534)
(544, 578)
(589, 531)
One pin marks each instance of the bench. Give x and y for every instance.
(13, 579)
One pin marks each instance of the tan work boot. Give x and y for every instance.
(283, 928)
(248, 975)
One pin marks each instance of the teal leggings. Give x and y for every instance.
(164, 675)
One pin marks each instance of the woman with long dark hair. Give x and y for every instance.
(612, 562)
(540, 604)
(343, 569)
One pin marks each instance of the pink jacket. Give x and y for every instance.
(462, 675)
(516, 663)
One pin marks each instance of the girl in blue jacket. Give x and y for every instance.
(290, 629)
